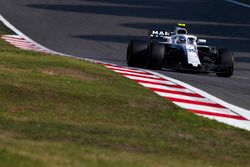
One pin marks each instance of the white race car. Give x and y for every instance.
(179, 50)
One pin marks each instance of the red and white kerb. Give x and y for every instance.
(179, 95)
(22, 43)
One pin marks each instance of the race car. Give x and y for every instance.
(181, 51)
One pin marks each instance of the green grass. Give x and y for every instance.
(57, 111)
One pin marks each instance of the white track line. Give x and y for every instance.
(238, 3)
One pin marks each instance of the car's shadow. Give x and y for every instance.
(217, 27)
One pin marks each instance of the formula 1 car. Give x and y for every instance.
(181, 51)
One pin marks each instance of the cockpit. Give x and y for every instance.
(191, 40)
(184, 39)
(181, 40)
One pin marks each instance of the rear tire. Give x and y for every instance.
(137, 53)
(156, 55)
(226, 59)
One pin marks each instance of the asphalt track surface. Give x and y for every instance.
(101, 29)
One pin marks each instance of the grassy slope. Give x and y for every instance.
(58, 111)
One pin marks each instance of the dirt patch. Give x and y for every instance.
(32, 108)
(74, 73)
(12, 69)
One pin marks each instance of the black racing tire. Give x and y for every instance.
(156, 55)
(226, 59)
(137, 53)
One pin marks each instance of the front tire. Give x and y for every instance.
(156, 55)
(225, 58)
(137, 53)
